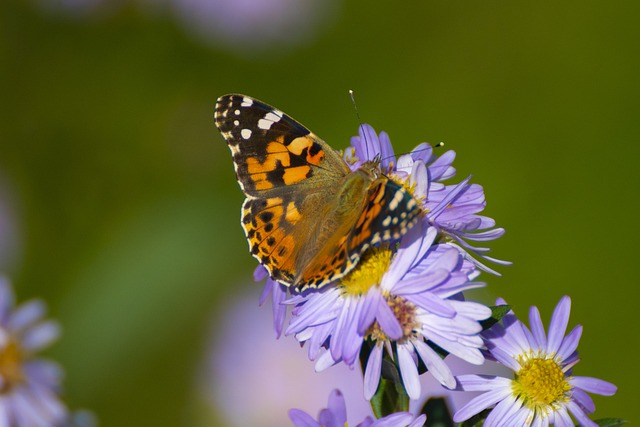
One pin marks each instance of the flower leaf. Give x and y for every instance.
(365, 352)
(437, 412)
(497, 313)
(390, 397)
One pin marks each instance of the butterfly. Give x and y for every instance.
(307, 216)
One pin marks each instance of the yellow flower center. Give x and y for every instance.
(540, 383)
(373, 265)
(11, 358)
(375, 333)
(405, 312)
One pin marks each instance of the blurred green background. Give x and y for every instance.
(122, 210)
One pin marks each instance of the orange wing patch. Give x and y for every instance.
(260, 218)
(295, 174)
(314, 153)
(293, 215)
(330, 268)
(267, 225)
(278, 157)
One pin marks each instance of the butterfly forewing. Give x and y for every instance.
(271, 151)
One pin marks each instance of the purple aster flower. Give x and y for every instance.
(367, 145)
(454, 211)
(336, 416)
(543, 391)
(403, 299)
(28, 385)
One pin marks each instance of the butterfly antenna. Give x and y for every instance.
(438, 145)
(355, 107)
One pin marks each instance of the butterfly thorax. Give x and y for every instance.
(355, 186)
(341, 215)
(372, 167)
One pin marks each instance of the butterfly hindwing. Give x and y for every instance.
(269, 225)
(390, 211)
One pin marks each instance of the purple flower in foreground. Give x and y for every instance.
(543, 390)
(28, 386)
(403, 299)
(336, 416)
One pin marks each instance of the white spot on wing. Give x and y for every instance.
(246, 102)
(269, 119)
(396, 199)
(237, 112)
(236, 122)
(264, 124)
(245, 133)
(274, 115)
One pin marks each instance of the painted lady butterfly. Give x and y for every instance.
(308, 218)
